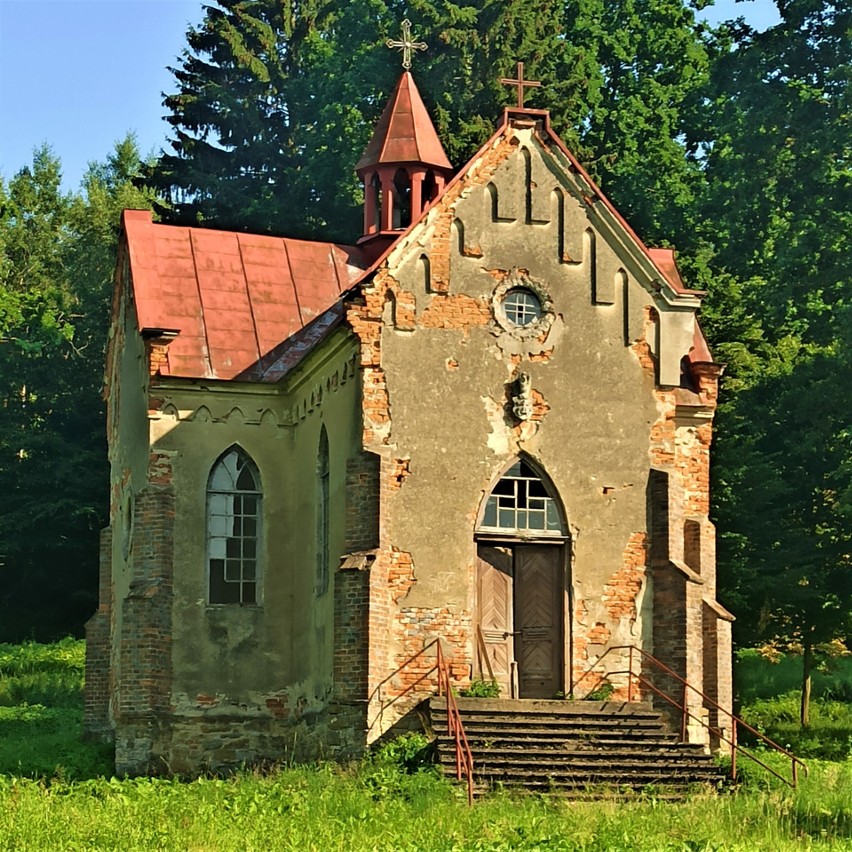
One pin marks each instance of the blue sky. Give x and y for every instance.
(80, 74)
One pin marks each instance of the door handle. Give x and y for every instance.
(509, 633)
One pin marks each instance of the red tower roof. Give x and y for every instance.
(405, 133)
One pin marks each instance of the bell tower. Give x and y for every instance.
(404, 167)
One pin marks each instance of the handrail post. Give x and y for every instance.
(630, 677)
(683, 719)
(794, 771)
(734, 750)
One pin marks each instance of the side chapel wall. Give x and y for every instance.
(245, 682)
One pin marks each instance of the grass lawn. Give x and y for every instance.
(56, 794)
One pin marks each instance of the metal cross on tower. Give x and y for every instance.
(406, 45)
(519, 84)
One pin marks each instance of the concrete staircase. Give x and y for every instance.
(581, 748)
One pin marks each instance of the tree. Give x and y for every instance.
(778, 203)
(57, 261)
(276, 100)
(776, 218)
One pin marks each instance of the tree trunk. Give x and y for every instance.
(807, 664)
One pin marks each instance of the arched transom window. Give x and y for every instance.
(521, 504)
(233, 529)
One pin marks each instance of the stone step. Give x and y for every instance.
(522, 734)
(584, 775)
(615, 771)
(476, 727)
(597, 745)
(561, 707)
(572, 746)
(592, 752)
(470, 717)
(596, 786)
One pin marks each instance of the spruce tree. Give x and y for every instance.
(276, 101)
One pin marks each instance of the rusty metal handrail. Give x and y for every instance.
(464, 756)
(795, 762)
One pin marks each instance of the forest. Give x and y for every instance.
(729, 144)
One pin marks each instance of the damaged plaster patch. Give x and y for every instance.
(500, 438)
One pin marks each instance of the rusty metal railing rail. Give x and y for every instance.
(464, 756)
(686, 714)
(463, 753)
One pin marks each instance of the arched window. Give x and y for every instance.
(521, 504)
(233, 529)
(322, 515)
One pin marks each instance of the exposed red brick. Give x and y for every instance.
(621, 591)
(457, 311)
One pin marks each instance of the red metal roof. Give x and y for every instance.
(405, 133)
(232, 297)
(664, 260)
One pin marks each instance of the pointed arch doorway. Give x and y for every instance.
(522, 543)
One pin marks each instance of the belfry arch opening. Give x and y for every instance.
(521, 584)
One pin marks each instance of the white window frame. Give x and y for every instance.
(234, 535)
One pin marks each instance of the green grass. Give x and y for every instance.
(328, 808)
(56, 793)
(41, 713)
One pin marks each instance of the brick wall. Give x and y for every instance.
(144, 688)
(96, 718)
(362, 502)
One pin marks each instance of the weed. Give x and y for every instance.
(482, 689)
(602, 693)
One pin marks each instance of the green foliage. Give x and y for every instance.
(828, 737)
(480, 688)
(276, 101)
(770, 702)
(55, 793)
(602, 693)
(326, 808)
(775, 217)
(756, 677)
(409, 752)
(57, 257)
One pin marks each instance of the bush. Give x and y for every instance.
(756, 676)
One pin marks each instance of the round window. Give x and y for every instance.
(521, 306)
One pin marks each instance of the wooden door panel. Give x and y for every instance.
(494, 605)
(538, 619)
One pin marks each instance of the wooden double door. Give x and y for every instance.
(521, 611)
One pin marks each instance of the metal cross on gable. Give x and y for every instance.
(406, 45)
(520, 83)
